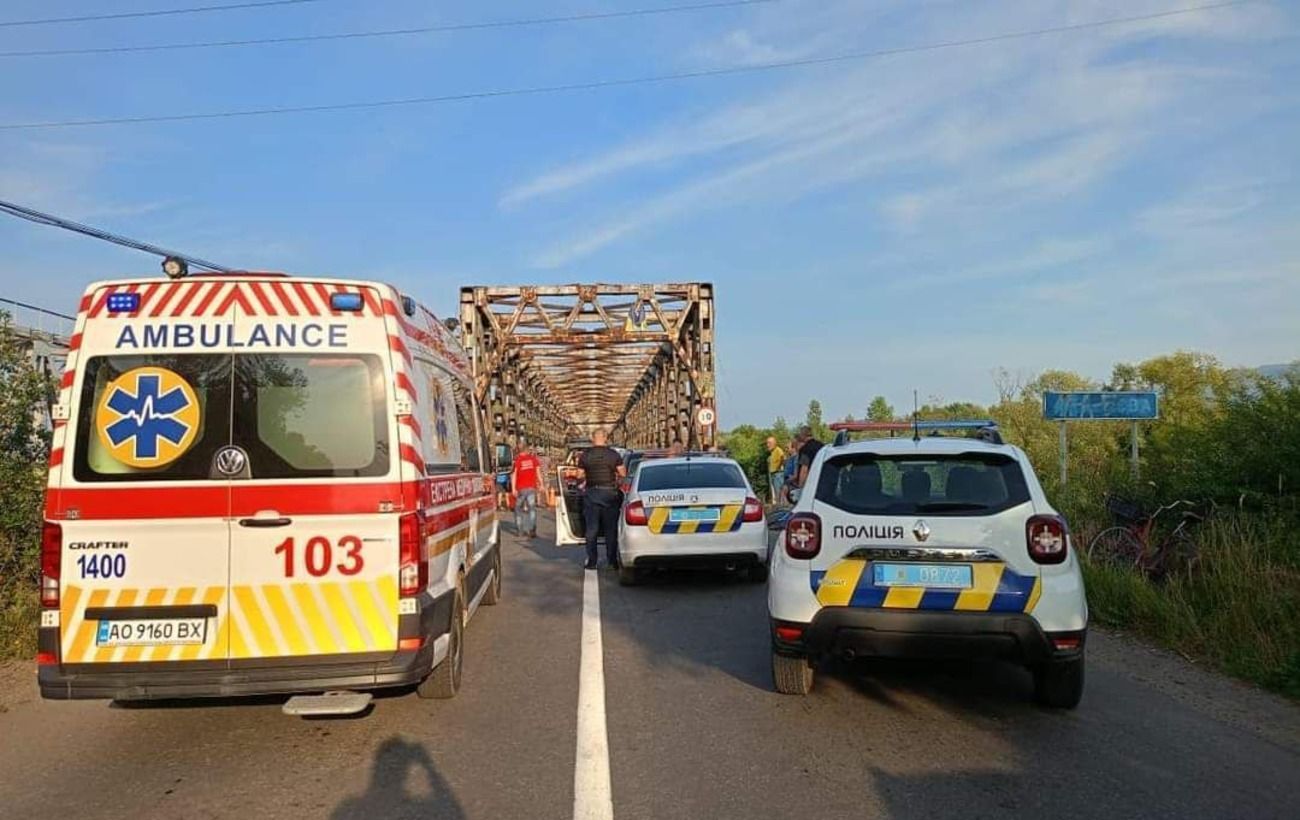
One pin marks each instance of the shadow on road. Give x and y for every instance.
(404, 782)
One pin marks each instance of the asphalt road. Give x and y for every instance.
(693, 730)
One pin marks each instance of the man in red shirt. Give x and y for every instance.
(526, 479)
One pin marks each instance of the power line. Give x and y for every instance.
(396, 32)
(126, 15)
(38, 309)
(614, 83)
(98, 233)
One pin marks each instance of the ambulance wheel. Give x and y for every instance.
(791, 674)
(444, 681)
(493, 595)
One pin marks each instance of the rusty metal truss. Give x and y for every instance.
(552, 363)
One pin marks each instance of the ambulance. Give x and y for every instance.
(262, 484)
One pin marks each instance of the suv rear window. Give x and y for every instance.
(958, 484)
(163, 418)
(689, 476)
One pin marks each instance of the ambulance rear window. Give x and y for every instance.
(163, 418)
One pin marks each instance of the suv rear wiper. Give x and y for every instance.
(946, 506)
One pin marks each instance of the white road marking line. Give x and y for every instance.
(592, 796)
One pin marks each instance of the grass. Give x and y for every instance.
(19, 616)
(1238, 610)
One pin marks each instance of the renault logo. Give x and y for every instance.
(230, 461)
(921, 530)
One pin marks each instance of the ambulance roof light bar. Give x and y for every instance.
(985, 429)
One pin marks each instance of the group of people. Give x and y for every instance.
(787, 469)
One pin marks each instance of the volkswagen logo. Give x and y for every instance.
(921, 530)
(230, 460)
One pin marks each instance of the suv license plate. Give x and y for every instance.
(931, 576)
(152, 632)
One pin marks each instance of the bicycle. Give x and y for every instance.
(1129, 543)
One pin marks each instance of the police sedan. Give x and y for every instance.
(692, 511)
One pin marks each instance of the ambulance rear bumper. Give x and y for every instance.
(184, 681)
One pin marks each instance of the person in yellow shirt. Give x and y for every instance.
(775, 467)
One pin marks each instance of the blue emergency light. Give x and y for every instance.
(123, 302)
(346, 301)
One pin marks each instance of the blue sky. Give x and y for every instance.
(914, 221)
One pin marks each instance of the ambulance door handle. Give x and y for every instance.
(265, 522)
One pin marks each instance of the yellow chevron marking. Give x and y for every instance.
(688, 527)
(320, 631)
(262, 636)
(388, 597)
(216, 645)
(67, 610)
(839, 582)
(1034, 595)
(125, 597)
(86, 632)
(352, 639)
(153, 597)
(658, 517)
(382, 635)
(985, 580)
(729, 515)
(293, 635)
(903, 597)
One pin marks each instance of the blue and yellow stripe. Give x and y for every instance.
(995, 588)
(729, 520)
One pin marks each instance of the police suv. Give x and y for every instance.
(262, 484)
(927, 546)
(691, 511)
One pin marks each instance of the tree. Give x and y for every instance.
(880, 410)
(24, 455)
(815, 422)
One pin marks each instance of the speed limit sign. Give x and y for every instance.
(705, 416)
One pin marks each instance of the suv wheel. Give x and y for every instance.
(791, 674)
(1059, 684)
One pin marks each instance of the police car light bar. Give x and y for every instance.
(346, 301)
(123, 302)
(987, 429)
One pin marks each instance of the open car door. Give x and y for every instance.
(569, 528)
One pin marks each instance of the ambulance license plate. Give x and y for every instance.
(152, 632)
(930, 576)
(680, 514)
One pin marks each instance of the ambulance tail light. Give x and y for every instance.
(753, 511)
(412, 571)
(635, 515)
(1046, 537)
(51, 563)
(803, 536)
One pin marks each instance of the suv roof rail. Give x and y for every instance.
(985, 429)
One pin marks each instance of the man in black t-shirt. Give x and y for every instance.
(603, 467)
(808, 448)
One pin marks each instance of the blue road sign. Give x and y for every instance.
(1100, 405)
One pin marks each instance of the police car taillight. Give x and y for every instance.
(412, 571)
(1046, 536)
(51, 563)
(753, 511)
(634, 515)
(803, 536)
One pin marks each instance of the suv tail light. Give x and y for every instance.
(1046, 536)
(51, 563)
(803, 536)
(412, 571)
(634, 515)
(753, 511)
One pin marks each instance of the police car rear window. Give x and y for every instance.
(964, 484)
(164, 418)
(692, 475)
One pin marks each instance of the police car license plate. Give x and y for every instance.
(931, 576)
(152, 632)
(679, 514)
